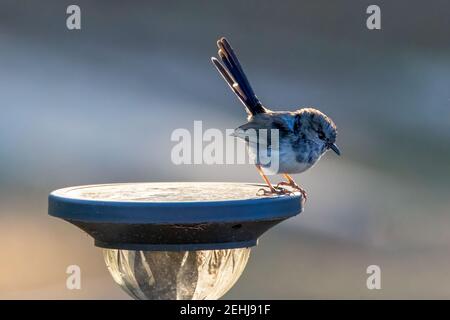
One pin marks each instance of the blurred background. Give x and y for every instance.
(98, 105)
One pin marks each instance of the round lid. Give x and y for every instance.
(174, 202)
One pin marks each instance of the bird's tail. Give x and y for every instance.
(233, 74)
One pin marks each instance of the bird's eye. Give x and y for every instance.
(321, 135)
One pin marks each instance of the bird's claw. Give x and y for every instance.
(293, 186)
(283, 183)
(275, 191)
(303, 192)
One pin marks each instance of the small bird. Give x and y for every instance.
(304, 135)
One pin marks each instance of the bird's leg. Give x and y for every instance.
(273, 190)
(291, 183)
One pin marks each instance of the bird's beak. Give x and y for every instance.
(335, 148)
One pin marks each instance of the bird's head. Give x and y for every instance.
(315, 126)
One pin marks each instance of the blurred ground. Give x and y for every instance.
(99, 105)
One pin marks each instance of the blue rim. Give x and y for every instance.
(174, 212)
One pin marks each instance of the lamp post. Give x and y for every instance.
(173, 240)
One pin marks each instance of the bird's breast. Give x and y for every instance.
(288, 158)
(290, 162)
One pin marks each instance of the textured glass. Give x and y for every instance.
(181, 275)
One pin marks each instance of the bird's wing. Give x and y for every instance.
(251, 130)
(234, 75)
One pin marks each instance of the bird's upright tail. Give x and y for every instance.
(233, 74)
